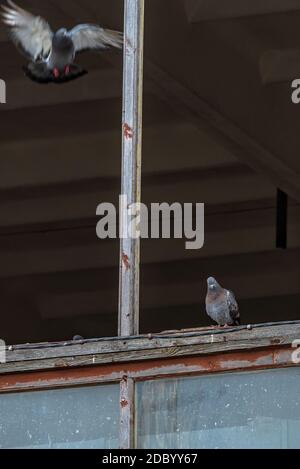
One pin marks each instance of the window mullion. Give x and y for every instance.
(127, 407)
(131, 165)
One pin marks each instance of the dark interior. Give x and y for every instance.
(219, 128)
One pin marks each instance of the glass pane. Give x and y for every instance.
(233, 410)
(66, 418)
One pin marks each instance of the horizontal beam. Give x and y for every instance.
(279, 66)
(97, 85)
(74, 119)
(69, 203)
(101, 303)
(168, 174)
(61, 155)
(225, 234)
(108, 351)
(164, 285)
(204, 10)
(86, 222)
(244, 147)
(252, 360)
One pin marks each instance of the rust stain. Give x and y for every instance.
(128, 131)
(126, 262)
(124, 403)
(275, 341)
(61, 363)
(192, 365)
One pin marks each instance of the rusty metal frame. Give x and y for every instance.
(279, 356)
(126, 361)
(127, 374)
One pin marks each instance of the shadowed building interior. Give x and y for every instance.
(219, 128)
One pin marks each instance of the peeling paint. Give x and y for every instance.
(124, 403)
(126, 262)
(61, 363)
(149, 369)
(128, 131)
(275, 341)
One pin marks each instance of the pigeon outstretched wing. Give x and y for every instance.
(31, 34)
(233, 307)
(90, 37)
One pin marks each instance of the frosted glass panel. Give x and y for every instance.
(66, 418)
(244, 410)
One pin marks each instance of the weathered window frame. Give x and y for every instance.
(128, 360)
(129, 357)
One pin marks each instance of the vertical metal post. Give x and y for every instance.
(131, 165)
(127, 413)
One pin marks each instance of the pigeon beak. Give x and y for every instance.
(211, 283)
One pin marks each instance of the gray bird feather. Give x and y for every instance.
(52, 54)
(32, 34)
(91, 37)
(221, 304)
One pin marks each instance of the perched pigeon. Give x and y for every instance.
(52, 54)
(221, 305)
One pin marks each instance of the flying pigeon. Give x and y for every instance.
(52, 54)
(221, 305)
